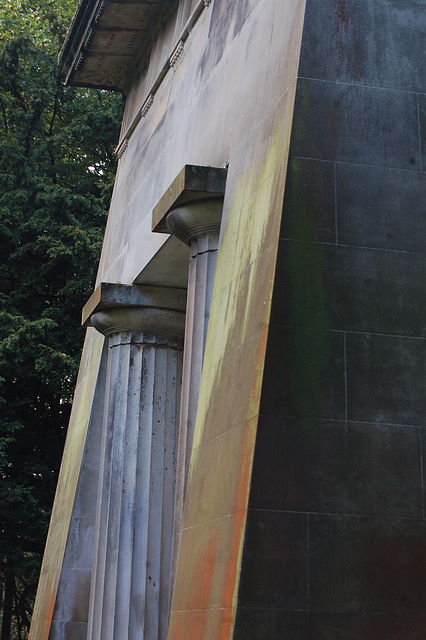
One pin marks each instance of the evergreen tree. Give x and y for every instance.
(56, 175)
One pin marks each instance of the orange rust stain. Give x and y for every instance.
(51, 607)
(200, 591)
(234, 553)
(175, 628)
(198, 627)
(46, 623)
(205, 570)
(226, 628)
(209, 564)
(241, 494)
(205, 563)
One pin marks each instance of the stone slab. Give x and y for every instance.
(367, 565)
(108, 295)
(341, 467)
(191, 184)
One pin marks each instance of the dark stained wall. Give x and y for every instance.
(335, 545)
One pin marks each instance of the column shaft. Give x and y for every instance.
(202, 267)
(198, 225)
(131, 578)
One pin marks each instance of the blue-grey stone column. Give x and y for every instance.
(197, 224)
(133, 537)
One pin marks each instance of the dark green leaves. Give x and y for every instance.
(56, 175)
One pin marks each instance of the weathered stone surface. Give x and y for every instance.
(304, 506)
(371, 565)
(379, 207)
(311, 385)
(131, 576)
(193, 183)
(276, 545)
(340, 436)
(328, 466)
(67, 486)
(255, 623)
(104, 40)
(109, 296)
(382, 129)
(375, 43)
(350, 288)
(385, 378)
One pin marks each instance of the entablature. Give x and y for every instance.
(112, 42)
(105, 39)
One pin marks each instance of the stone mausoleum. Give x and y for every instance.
(245, 453)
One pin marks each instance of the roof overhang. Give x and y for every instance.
(107, 38)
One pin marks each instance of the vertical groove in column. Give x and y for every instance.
(187, 367)
(101, 526)
(132, 576)
(174, 371)
(116, 491)
(202, 268)
(140, 549)
(152, 604)
(124, 569)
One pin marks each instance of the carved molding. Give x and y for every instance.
(174, 58)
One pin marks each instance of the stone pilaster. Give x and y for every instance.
(133, 537)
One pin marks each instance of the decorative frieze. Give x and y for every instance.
(174, 58)
(147, 105)
(140, 114)
(79, 61)
(122, 148)
(100, 11)
(88, 38)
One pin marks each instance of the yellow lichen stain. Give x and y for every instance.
(240, 310)
(257, 220)
(230, 584)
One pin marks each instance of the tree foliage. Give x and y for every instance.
(56, 175)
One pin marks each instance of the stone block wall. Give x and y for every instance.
(335, 543)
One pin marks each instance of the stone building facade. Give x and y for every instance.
(245, 453)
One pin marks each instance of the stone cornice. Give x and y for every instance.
(108, 39)
(172, 60)
(105, 39)
(139, 320)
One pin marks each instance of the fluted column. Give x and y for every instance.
(133, 537)
(191, 210)
(198, 225)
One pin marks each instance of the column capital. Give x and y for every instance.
(114, 308)
(195, 219)
(193, 184)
